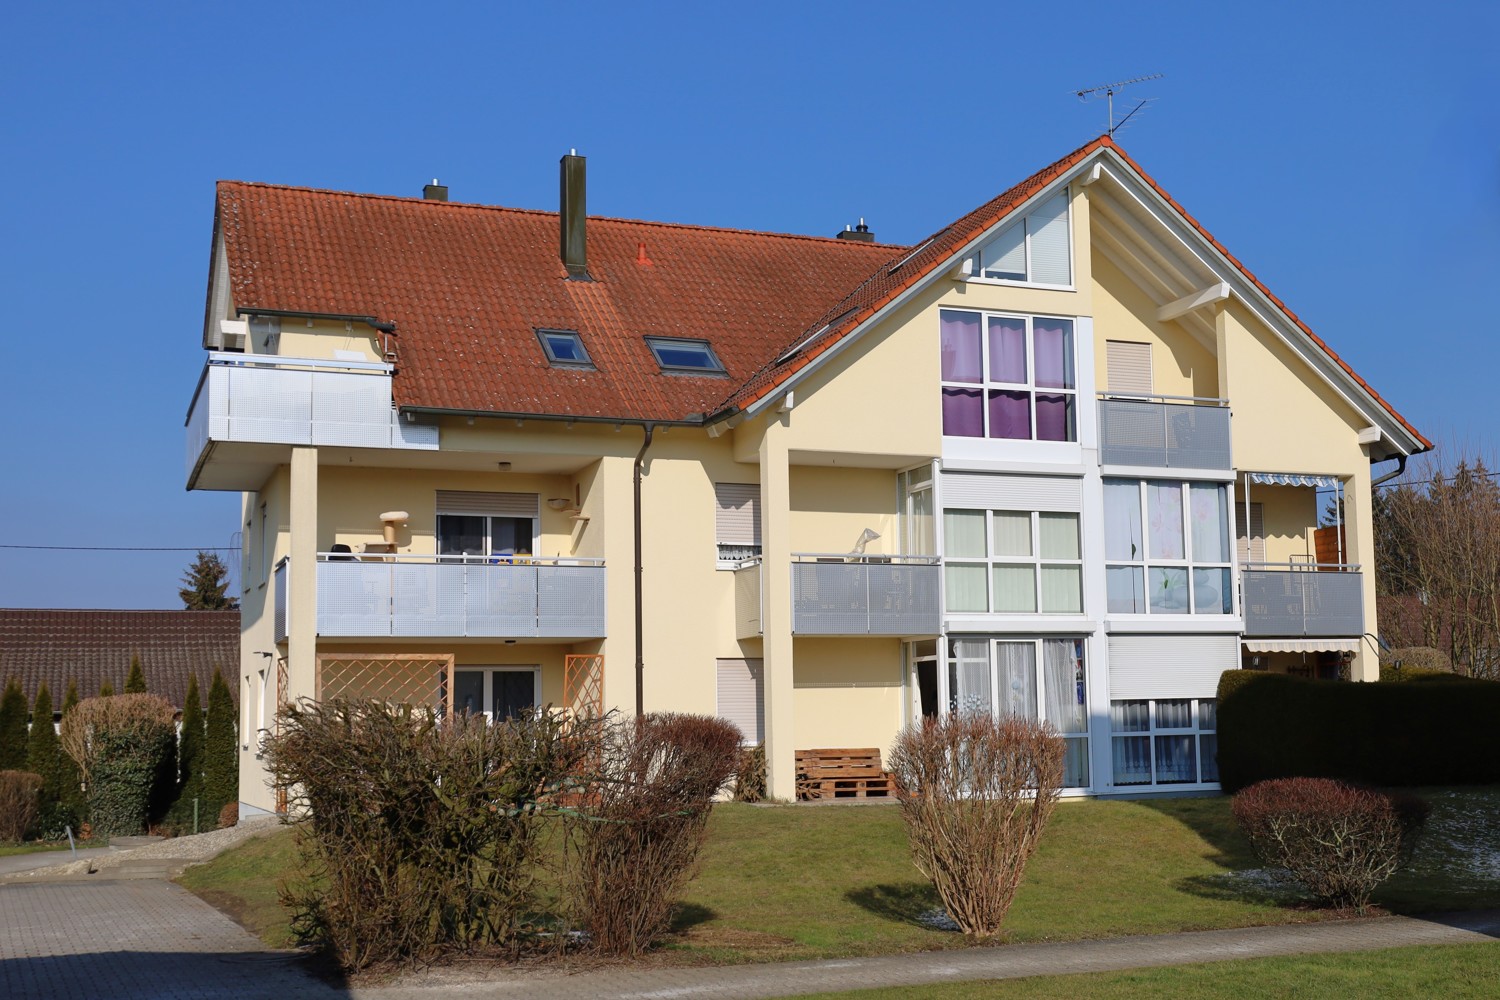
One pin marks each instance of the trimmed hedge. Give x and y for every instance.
(1420, 733)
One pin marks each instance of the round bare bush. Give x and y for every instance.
(1339, 841)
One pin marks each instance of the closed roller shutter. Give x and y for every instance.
(742, 697)
(1011, 492)
(492, 504)
(1129, 367)
(737, 513)
(1048, 226)
(1169, 666)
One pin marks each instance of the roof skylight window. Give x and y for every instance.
(564, 348)
(684, 355)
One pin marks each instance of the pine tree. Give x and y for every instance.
(190, 758)
(106, 690)
(44, 756)
(205, 585)
(135, 683)
(221, 762)
(13, 712)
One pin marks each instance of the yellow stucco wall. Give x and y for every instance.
(847, 692)
(320, 339)
(1181, 364)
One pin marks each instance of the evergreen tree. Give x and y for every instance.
(106, 690)
(206, 584)
(13, 712)
(44, 756)
(190, 759)
(71, 698)
(221, 762)
(70, 781)
(135, 683)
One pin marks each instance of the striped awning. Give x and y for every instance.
(1293, 479)
(1301, 645)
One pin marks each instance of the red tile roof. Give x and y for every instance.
(90, 647)
(467, 286)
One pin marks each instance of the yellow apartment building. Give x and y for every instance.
(1066, 458)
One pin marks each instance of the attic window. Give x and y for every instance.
(564, 348)
(684, 355)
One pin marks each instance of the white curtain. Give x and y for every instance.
(1062, 590)
(1066, 699)
(1210, 519)
(973, 676)
(1012, 531)
(965, 587)
(1015, 588)
(1059, 535)
(963, 533)
(1016, 667)
(1122, 521)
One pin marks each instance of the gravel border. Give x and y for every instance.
(194, 849)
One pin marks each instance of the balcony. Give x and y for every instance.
(457, 597)
(1164, 432)
(1302, 600)
(844, 595)
(246, 402)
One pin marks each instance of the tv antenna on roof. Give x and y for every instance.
(1109, 90)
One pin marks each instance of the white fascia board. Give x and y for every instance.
(943, 271)
(1274, 318)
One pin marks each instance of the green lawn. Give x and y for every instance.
(33, 846)
(1448, 971)
(798, 883)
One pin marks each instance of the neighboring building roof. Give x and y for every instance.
(468, 285)
(90, 647)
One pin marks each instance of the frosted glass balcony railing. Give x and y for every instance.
(848, 595)
(1164, 432)
(1302, 600)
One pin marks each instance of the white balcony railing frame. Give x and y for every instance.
(457, 596)
(1164, 432)
(1307, 600)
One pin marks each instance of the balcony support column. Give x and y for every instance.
(302, 573)
(776, 609)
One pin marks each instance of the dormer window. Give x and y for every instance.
(564, 349)
(1035, 250)
(676, 355)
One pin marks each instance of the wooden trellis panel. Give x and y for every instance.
(421, 680)
(583, 683)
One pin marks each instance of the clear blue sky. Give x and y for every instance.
(1347, 153)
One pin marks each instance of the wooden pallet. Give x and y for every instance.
(842, 774)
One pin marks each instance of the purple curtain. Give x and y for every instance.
(1007, 349)
(1010, 414)
(960, 341)
(1054, 353)
(963, 413)
(1054, 416)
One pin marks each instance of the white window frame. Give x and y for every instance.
(489, 683)
(1146, 563)
(1197, 731)
(911, 483)
(1036, 561)
(979, 276)
(985, 384)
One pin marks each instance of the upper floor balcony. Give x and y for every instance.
(1302, 600)
(452, 596)
(848, 595)
(1164, 432)
(249, 407)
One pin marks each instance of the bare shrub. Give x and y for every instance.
(422, 836)
(1339, 841)
(229, 815)
(635, 838)
(976, 793)
(750, 774)
(119, 743)
(19, 801)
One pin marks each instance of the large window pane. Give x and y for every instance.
(1054, 417)
(1130, 716)
(1210, 520)
(1015, 667)
(1208, 754)
(1126, 594)
(1062, 590)
(1164, 511)
(1176, 760)
(1006, 256)
(1059, 535)
(1211, 594)
(1174, 714)
(1132, 760)
(965, 587)
(1012, 532)
(1010, 414)
(963, 533)
(960, 341)
(1076, 762)
(1122, 521)
(963, 412)
(1167, 590)
(1064, 688)
(460, 534)
(1053, 348)
(1048, 229)
(971, 693)
(1208, 714)
(1007, 349)
(1015, 588)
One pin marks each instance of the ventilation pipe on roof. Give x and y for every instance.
(860, 233)
(571, 214)
(434, 191)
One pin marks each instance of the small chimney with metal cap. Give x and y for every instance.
(571, 215)
(435, 191)
(861, 233)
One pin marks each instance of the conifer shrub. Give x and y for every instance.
(1337, 840)
(221, 759)
(189, 760)
(44, 757)
(135, 681)
(13, 712)
(19, 799)
(119, 744)
(635, 837)
(976, 792)
(71, 782)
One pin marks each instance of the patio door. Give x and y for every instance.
(499, 692)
